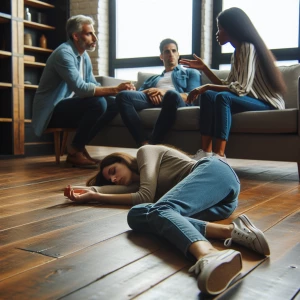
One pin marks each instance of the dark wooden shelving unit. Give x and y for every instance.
(20, 80)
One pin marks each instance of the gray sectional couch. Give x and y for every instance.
(265, 135)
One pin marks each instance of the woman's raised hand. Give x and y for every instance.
(196, 63)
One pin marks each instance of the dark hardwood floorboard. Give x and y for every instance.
(51, 248)
(80, 269)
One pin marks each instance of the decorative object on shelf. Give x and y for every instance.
(27, 82)
(29, 58)
(41, 18)
(27, 39)
(27, 15)
(43, 41)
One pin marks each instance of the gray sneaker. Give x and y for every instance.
(245, 233)
(200, 154)
(217, 270)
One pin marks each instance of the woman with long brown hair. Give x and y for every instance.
(177, 198)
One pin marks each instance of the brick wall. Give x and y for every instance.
(98, 10)
(206, 31)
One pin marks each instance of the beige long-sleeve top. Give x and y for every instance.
(160, 168)
(246, 77)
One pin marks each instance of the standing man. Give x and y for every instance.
(168, 91)
(68, 94)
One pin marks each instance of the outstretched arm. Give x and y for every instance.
(113, 90)
(207, 87)
(85, 195)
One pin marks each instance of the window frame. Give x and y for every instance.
(152, 61)
(219, 58)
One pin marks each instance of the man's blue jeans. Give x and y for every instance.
(216, 109)
(88, 115)
(130, 102)
(209, 193)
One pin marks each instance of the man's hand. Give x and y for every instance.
(196, 63)
(126, 86)
(155, 95)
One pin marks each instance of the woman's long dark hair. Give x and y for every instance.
(117, 157)
(240, 28)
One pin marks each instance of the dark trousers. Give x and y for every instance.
(88, 115)
(131, 102)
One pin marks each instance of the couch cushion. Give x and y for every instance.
(291, 75)
(187, 118)
(141, 78)
(275, 121)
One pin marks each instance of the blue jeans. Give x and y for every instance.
(217, 108)
(130, 102)
(88, 115)
(209, 193)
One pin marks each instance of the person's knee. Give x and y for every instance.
(98, 104)
(136, 216)
(131, 216)
(171, 99)
(208, 97)
(223, 98)
(123, 98)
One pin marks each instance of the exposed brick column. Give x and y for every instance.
(206, 31)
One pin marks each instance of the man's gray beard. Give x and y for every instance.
(92, 49)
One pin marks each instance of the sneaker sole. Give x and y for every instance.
(218, 277)
(259, 235)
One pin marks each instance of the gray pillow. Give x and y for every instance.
(142, 77)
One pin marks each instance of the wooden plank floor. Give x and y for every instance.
(51, 248)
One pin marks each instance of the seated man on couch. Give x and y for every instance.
(168, 91)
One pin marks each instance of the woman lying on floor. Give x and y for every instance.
(177, 197)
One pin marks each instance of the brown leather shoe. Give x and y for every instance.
(78, 159)
(95, 160)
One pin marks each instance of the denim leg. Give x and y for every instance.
(110, 113)
(217, 109)
(210, 191)
(80, 113)
(207, 113)
(227, 104)
(129, 103)
(170, 102)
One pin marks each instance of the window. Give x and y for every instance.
(136, 33)
(276, 22)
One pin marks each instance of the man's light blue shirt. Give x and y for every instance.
(60, 78)
(184, 80)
